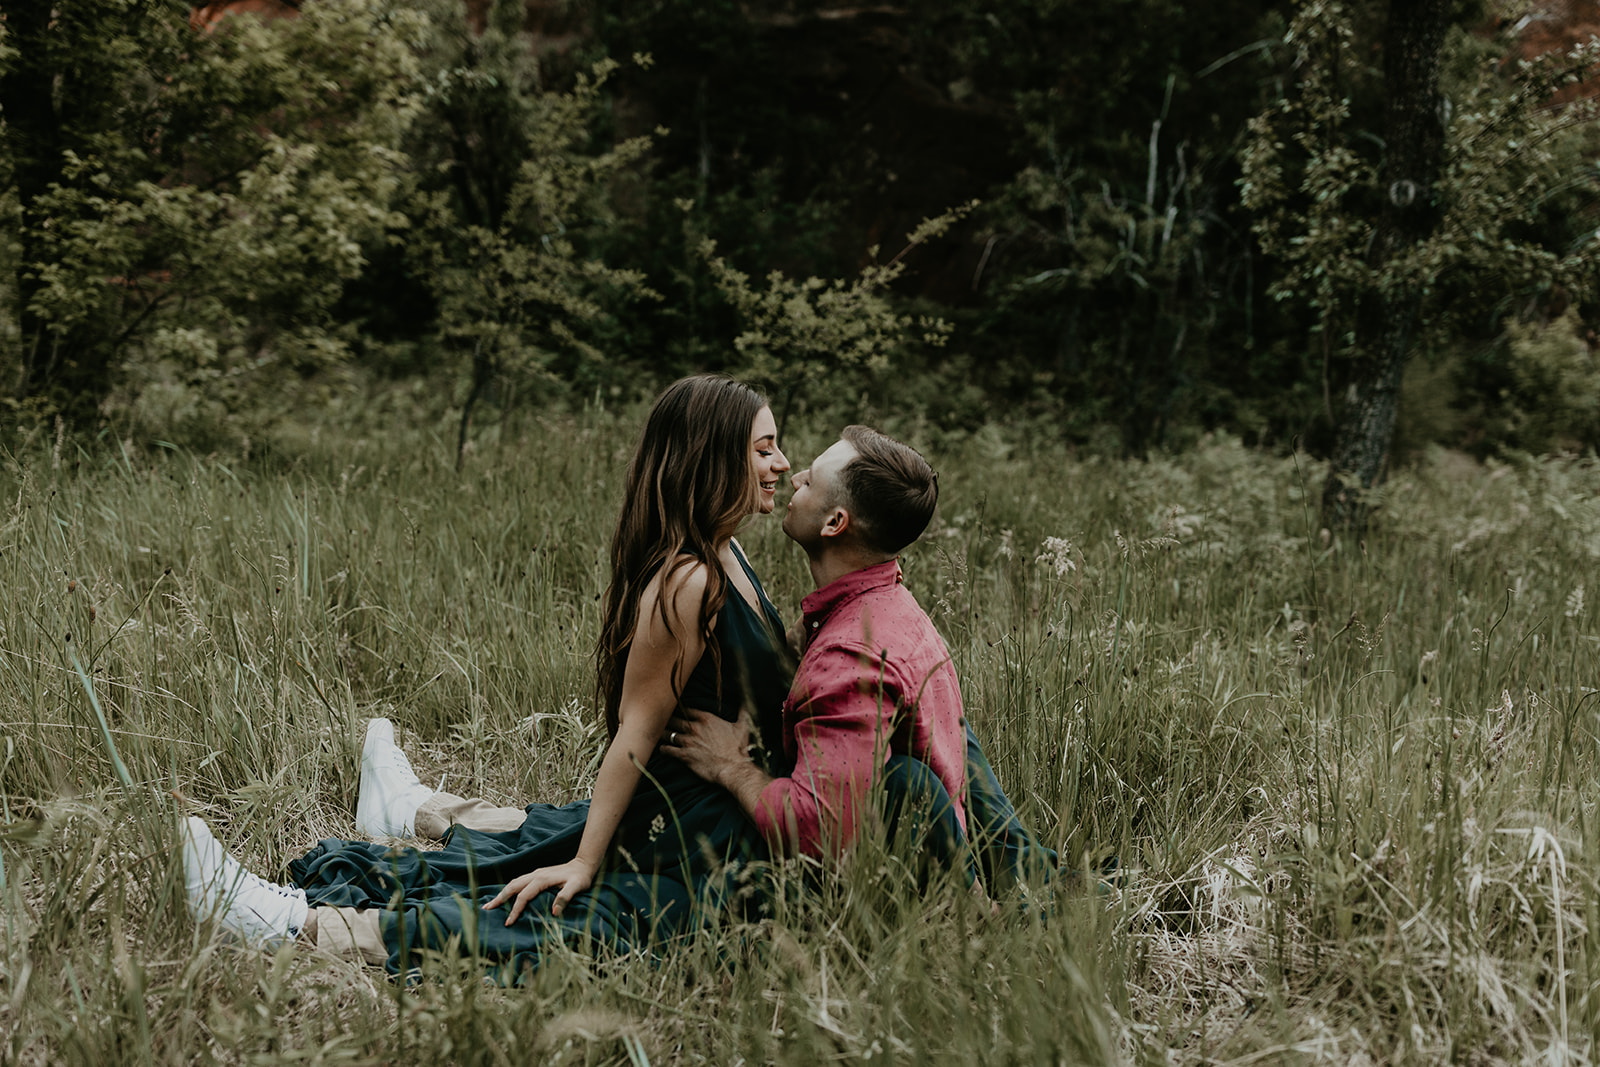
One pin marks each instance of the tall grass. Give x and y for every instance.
(1349, 785)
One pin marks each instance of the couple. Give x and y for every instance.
(691, 659)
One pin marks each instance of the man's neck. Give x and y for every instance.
(829, 566)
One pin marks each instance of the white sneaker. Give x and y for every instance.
(252, 909)
(390, 791)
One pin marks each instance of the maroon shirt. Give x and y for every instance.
(875, 681)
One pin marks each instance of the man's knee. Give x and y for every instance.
(919, 813)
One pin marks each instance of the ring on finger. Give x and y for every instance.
(673, 737)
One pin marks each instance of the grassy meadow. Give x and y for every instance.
(1350, 784)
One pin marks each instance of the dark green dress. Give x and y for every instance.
(680, 849)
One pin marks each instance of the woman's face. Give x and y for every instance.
(766, 459)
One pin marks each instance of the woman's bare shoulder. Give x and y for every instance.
(680, 586)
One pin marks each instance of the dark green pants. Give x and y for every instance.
(920, 816)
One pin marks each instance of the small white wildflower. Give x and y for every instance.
(1575, 602)
(658, 826)
(1007, 547)
(1057, 553)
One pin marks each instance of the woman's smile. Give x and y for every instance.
(766, 459)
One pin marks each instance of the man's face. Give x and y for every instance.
(818, 497)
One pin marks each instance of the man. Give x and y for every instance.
(875, 696)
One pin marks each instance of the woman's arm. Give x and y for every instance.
(647, 703)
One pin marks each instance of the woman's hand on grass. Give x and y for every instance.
(573, 878)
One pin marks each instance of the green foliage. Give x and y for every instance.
(1557, 397)
(509, 185)
(743, 134)
(212, 229)
(1304, 218)
(196, 238)
(1536, 390)
(797, 335)
(1311, 177)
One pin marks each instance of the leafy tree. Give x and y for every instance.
(1399, 236)
(742, 134)
(509, 183)
(798, 333)
(191, 205)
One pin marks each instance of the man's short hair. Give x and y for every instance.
(891, 489)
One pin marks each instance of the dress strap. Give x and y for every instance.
(761, 592)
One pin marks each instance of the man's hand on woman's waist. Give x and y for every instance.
(718, 751)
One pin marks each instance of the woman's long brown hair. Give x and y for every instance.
(690, 484)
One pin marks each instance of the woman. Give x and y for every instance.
(686, 623)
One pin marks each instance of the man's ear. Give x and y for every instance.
(837, 522)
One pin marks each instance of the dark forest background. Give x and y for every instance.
(1363, 228)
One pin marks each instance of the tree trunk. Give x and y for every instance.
(1414, 151)
(1361, 447)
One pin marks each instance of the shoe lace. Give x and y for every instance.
(285, 891)
(255, 884)
(245, 880)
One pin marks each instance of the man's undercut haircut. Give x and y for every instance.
(891, 490)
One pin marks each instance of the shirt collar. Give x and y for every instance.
(822, 603)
